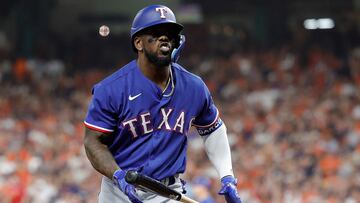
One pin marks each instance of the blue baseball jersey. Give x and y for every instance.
(149, 125)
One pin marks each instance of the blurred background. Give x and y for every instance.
(284, 74)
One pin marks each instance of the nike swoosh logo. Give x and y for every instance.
(134, 97)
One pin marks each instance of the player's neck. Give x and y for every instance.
(159, 75)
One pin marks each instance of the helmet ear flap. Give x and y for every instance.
(175, 55)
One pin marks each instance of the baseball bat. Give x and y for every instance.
(149, 184)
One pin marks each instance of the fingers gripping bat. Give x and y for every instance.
(149, 184)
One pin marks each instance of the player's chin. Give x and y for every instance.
(163, 60)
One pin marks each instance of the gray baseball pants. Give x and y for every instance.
(110, 193)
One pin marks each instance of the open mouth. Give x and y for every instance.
(165, 48)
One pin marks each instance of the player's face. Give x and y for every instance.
(158, 44)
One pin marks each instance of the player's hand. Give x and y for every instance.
(126, 188)
(229, 190)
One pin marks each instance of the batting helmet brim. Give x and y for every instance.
(176, 27)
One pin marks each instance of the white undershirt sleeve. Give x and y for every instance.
(218, 150)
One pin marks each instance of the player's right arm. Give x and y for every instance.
(99, 123)
(102, 160)
(98, 153)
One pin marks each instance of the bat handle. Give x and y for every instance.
(186, 199)
(133, 176)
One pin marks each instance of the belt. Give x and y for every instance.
(170, 180)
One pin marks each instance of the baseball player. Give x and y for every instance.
(140, 115)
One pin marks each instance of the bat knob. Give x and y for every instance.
(131, 176)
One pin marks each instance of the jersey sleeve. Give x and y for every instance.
(208, 120)
(101, 115)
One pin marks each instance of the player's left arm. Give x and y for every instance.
(218, 150)
(213, 131)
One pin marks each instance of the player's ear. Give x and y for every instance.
(138, 44)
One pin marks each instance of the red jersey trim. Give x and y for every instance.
(97, 128)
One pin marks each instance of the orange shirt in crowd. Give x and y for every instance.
(330, 164)
(19, 69)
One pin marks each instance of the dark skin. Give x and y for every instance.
(151, 42)
(98, 153)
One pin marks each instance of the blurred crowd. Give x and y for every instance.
(292, 114)
(294, 129)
